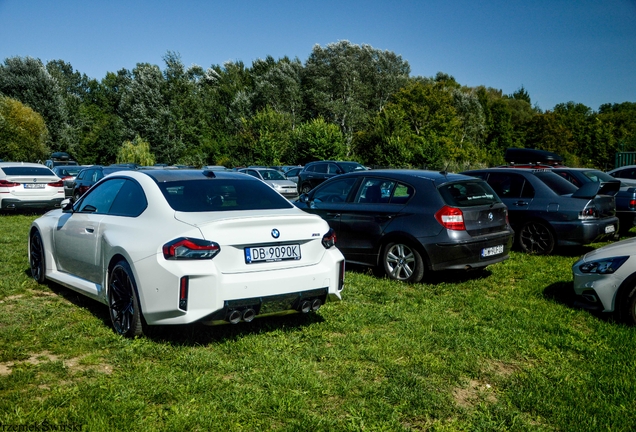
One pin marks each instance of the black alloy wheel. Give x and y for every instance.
(402, 262)
(123, 301)
(536, 238)
(36, 257)
(630, 316)
(305, 189)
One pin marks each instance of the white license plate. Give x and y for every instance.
(34, 185)
(272, 253)
(609, 229)
(490, 251)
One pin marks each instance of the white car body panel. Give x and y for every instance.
(79, 247)
(606, 285)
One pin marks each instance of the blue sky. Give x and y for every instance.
(582, 51)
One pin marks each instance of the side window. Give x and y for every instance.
(100, 199)
(253, 173)
(320, 168)
(375, 190)
(81, 174)
(335, 191)
(334, 169)
(401, 194)
(130, 201)
(508, 185)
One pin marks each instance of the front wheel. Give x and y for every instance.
(123, 301)
(36, 257)
(305, 188)
(402, 262)
(536, 238)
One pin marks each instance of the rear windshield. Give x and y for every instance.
(221, 195)
(558, 184)
(27, 171)
(468, 194)
(598, 176)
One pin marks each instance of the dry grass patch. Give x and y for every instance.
(74, 365)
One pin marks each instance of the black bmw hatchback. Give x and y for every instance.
(407, 222)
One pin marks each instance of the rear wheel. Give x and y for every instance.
(305, 188)
(536, 238)
(630, 307)
(36, 257)
(402, 262)
(123, 301)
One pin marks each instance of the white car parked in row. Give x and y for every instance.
(26, 185)
(184, 246)
(605, 279)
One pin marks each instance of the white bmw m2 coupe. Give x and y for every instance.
(182, 246)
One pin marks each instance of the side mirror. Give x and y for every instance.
(67, 205)
(303, 198)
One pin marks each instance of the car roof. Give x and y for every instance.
(17, 164)
(438, 177)
(623, 167)
(188, 174)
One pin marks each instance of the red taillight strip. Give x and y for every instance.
(6, 183)
(451, 218)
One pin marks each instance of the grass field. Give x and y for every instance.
(496, 350)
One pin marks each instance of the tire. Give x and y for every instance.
(36, 258)
(123, 301)
(629, 311)
(402, 262)
(536, 238)
(76, 197)
(305, 188)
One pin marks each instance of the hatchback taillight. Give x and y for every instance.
(185, 248)
(6, 183)
(451, 218)
(632, 204)
(329, 239)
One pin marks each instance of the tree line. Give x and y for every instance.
(345, 101)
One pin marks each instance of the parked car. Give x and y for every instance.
(605, 280)
(532, 158)
(624, 195)
(68, 173)
(315, 173)
(29, 186)
(87, 177)
(182, 246)
(59, 159)
(547, 211)
(292, 174)
(626, 174)
(275, 179)
(407, 222)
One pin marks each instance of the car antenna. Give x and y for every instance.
(444, 172)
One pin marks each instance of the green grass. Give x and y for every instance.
(495, 350)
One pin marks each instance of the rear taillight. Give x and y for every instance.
(57, 184)
(589, 213)
(329, 239)
(451, 218)
(190, 249)
(5, 183)
(632, 204)
(341, 276)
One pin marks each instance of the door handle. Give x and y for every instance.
(333, 214)
(521, 203)
(90, 230)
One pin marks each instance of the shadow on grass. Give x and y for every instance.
(196, 333)
(563, 293)
(430, 277)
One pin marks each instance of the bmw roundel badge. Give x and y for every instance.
(275, 233)
(490, 217)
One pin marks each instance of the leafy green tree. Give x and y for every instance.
(136, 151)
(27, 80)
(265, 139)
(23, 133)
(317, 140)
(344, 82)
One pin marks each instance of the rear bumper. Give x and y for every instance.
(468, 255)
(585, 231)
(17, 204)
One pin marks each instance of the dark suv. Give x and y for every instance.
(91, 175)
(315, 173)
(546, 210)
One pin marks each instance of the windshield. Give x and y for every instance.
(67, 171)
(598, 176)
(468, 194)
(271, 175)
(27, 171)
(350, 166)
(558, 184)
(221, 195)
